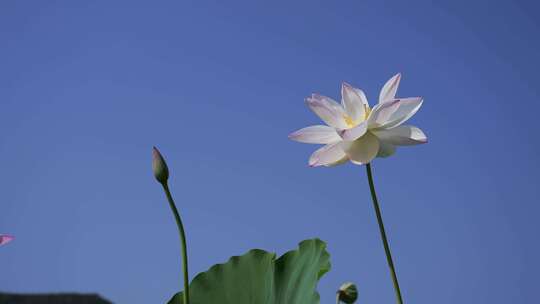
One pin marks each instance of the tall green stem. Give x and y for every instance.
(182, 239)
(383, 235)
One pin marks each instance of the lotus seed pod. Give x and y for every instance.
(348, 293)
(161, 171)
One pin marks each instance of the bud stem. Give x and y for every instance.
(383, 235)
(182, 239)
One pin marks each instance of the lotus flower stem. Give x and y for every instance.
(383, 235)
(182, 238)
(161, 173)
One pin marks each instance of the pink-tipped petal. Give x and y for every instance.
(316, 135)
(4, 239)
(402, 136)
(406, 108)
(339, 162)
(381, 114)
(389, 90)
(327, 155)
(354, 101)
(393, 113)
(328, 110)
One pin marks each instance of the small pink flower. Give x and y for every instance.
(4, 239)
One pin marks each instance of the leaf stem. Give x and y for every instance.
(182, 239)
(383, 235)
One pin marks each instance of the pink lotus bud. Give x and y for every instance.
(4, 239)
(161, 171)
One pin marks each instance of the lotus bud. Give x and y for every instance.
(161, 171)
(347, 293)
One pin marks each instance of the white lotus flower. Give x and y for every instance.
(357, 132)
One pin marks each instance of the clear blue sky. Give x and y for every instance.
(88, 87)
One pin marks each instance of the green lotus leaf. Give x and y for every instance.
(257, 277)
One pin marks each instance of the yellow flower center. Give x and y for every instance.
(353, 123)
(349, 121)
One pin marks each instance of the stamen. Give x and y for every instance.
(349, 121)
(367, 111)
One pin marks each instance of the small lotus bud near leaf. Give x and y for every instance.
(161, 171)
(347, 293)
